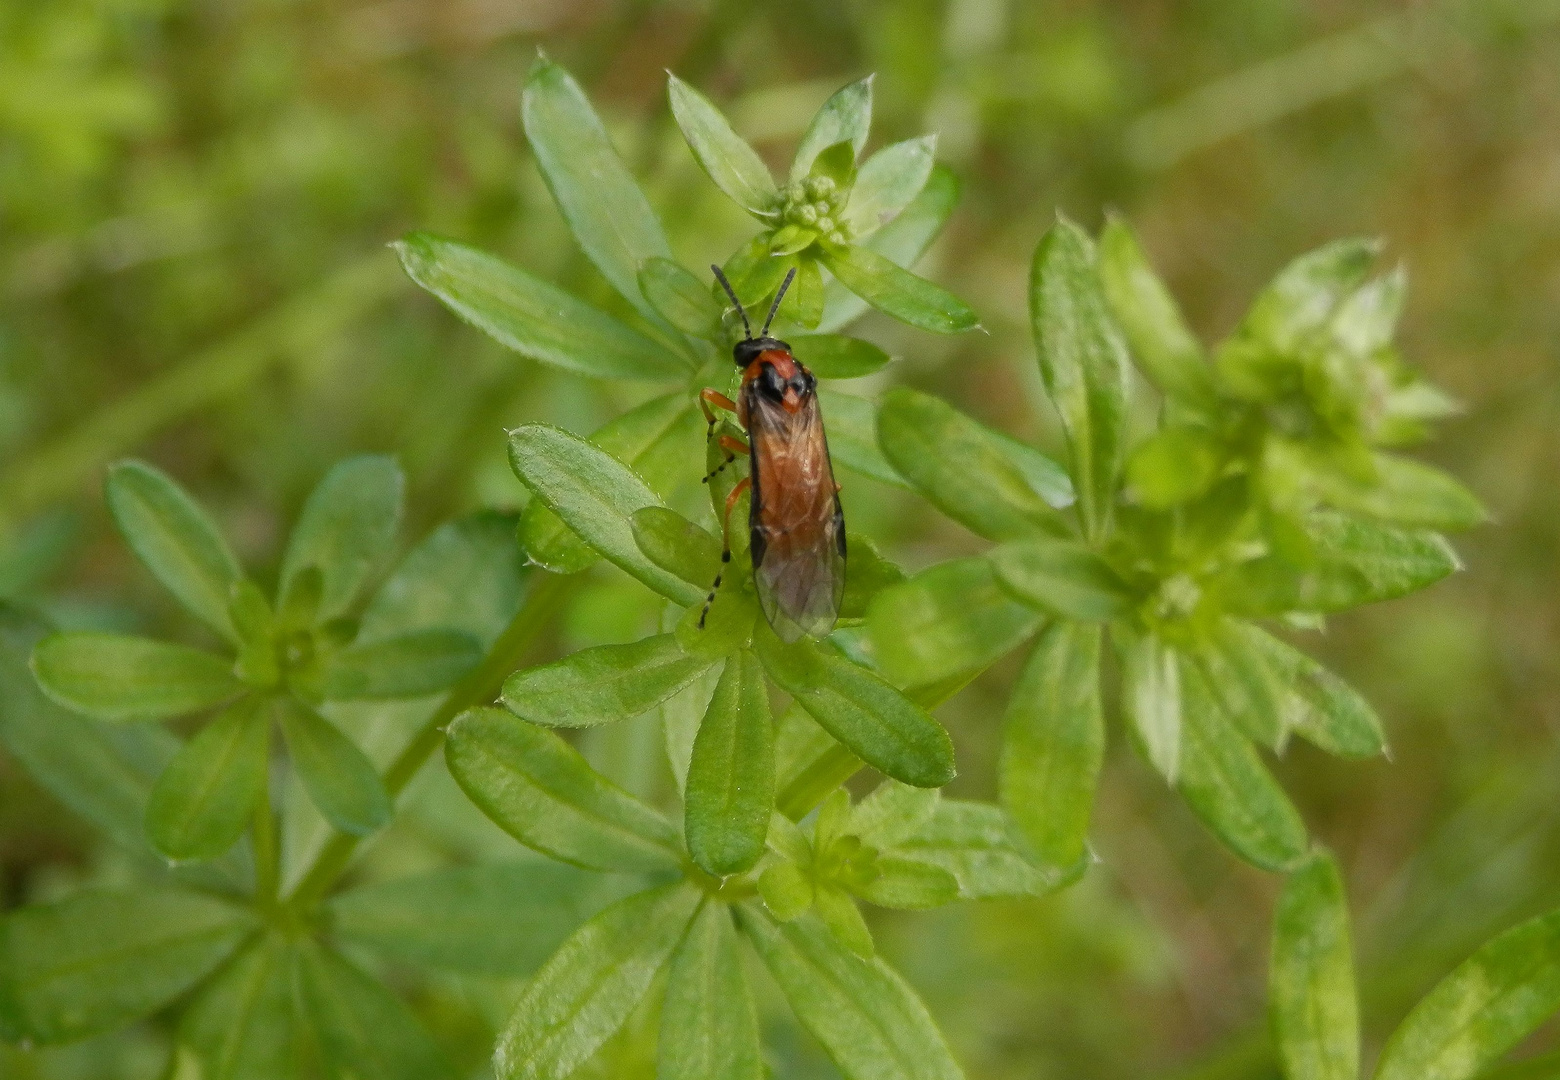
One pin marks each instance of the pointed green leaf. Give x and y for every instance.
(845, 117)
(606, 211)
(838, 910)
(804, 300)
(853, 440)
(1054, 742)
(655, 441)
(1063, 578)
(836, 162)
(542, 792)
(878, 723)
(892, 812)
(1173, 466)
(602, 685)
(363, 1029)
(1311, 981)
(1406, 493)
(533, 317)
(102, 959)
(682, 299)
(903, 241)
(595, 495)
(338, 776)
(1223, 779)
(676, 544)
(1083, 360)
(961, 469)
(176, 539)
(866, 574)
(887, 182)
(681, 714)
(908, 885)
(206, 796)
(1165, 349)
(500, 919)
(1245, 684)
(405, 666)
(835, 356)
(592, 983)
(709, 1028)
(786, 890)
(983, 848)
(114, 677)
(731, 778)
(1321, 707)
(895, 291)
(1487, 1006)
(735, 166)
(869, 1021)
(949, 619)
(1151, 696)
(347, 530)
(243, 1025)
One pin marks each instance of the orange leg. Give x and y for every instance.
(733, 446)
(725, 548)
(707, 398)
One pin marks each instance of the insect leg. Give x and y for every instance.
(733, 446)
(707, 398)
(725, 545)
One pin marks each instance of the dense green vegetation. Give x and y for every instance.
(247, 823)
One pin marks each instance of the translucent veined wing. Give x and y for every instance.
(796, 526)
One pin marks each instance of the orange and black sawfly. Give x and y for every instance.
(795, 525)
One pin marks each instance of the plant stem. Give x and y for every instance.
(481, 687)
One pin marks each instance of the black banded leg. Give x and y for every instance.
(732, 446)
(725, 546)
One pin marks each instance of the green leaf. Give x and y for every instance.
(867, 573)
(113, 677)
(735, 166)
(853, 440)
(243, 1025)
(1173, 466)
(339, 778)
(596, 496)
(878, 723)
(1311, 981)
(681, 714)
(868, 1020)
(1487, 1006)
(1083, 360)
(1404, 492)
(959, 467)
(405, 666)
(903, 241)
(347, 530)
(1166, 350)
(363, 1029)
(602, 685)
(1054, 742)
(682, 299)
(1223, 779)
(1304, 296)
(1048, 478)
(101, 772)
(836, 162)
(892, 813)
(1063, 578)
(533, 317)
(983, 848)
(804, 300)
(845, 117)
(592, 983)
(835, 356)
(731, 778)
(604, 208)
(176, 539)
(676, 544)
(948, 619)
(887, 182)
(709, 1028)
(1245, 686)
(895, 291)
(1317, 704)
(908, 885)
(655, 441)
(103, 959)
(542, 792)
(787, 891)
(1355, 562)
(203, 800)
(498, 919)
(791, 239)
(838, 910)
(1151, 696)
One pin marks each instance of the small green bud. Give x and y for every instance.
(820, 187)
(807, 214)
(825, 225)
(837, 238)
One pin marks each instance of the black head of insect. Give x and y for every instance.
(748, 349)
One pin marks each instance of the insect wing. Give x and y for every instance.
(796, 527)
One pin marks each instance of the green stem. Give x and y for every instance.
(481, 687)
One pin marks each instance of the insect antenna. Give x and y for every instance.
(720, 277)
(779, 296)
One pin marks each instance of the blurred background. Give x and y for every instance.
(195, 198)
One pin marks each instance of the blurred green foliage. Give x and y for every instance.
(194, 203)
